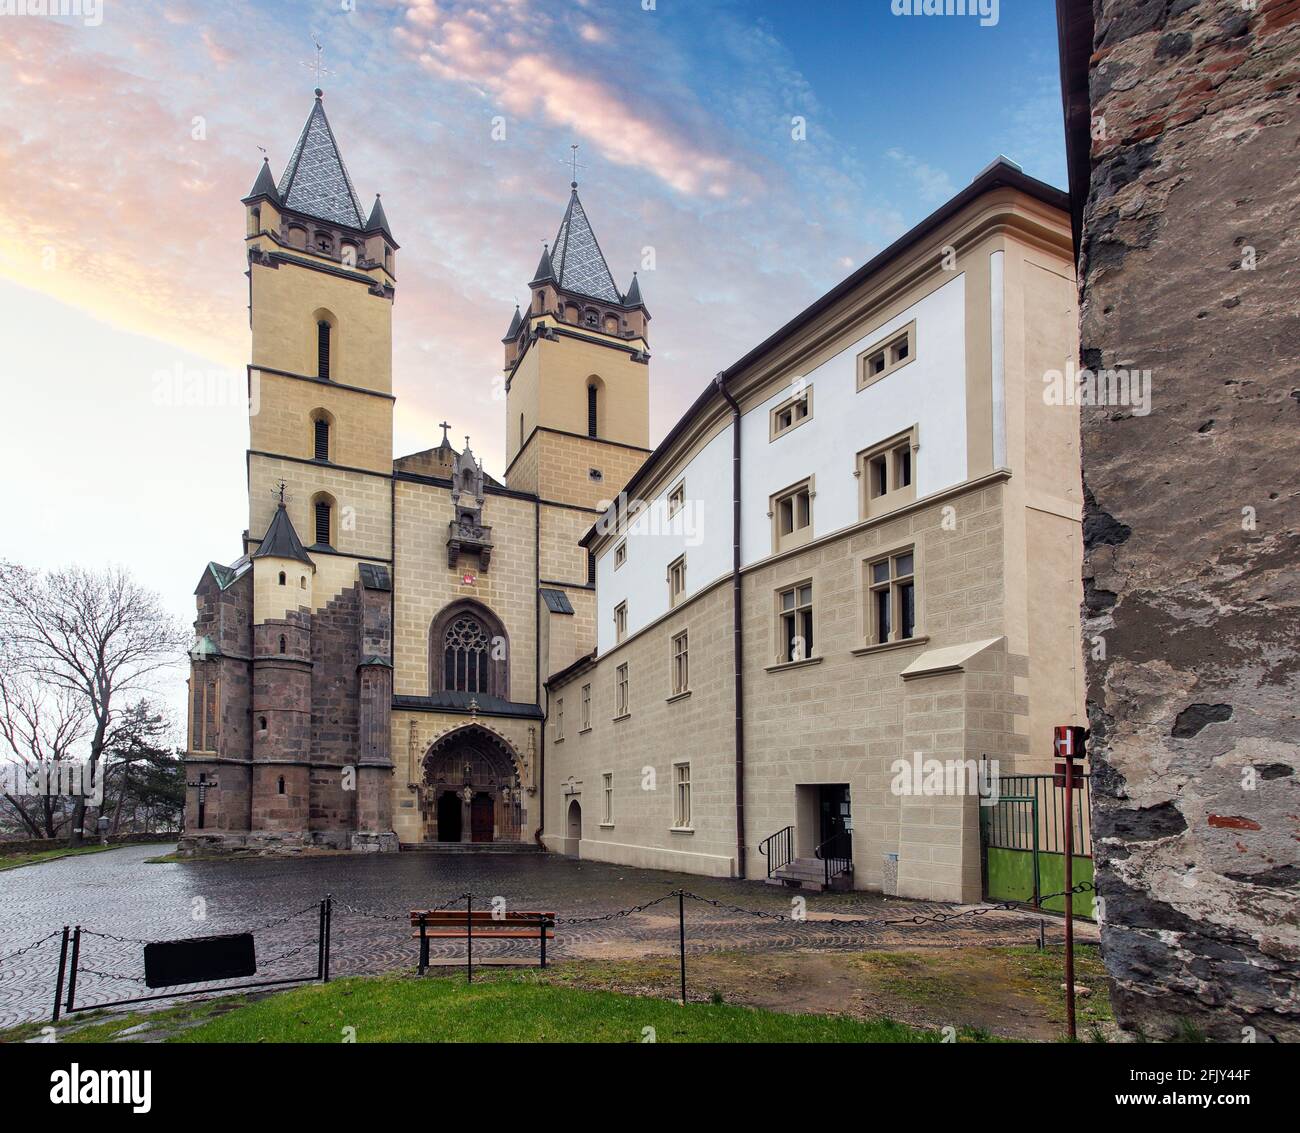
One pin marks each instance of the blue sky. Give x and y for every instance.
(126, 146)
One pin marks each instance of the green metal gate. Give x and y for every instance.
(1023, 843)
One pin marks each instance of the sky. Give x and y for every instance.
(742, 155)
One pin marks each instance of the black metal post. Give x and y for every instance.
(320, 942)
(681, 936)
(424, 947)
(58, 983)
(72, 975)
(469, 938)
(329, 925)
(541, 932)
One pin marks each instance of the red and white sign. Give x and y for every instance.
(1068, 741)
(468, 578)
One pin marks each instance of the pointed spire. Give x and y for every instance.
(544, 271)
(281, 540)
(514, 326)
(633, 296)
(264, 186)
(578, 263)
(378, 222)
(316, 181)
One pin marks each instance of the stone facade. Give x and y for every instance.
(1183, 135)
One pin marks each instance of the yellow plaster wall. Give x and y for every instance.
(361, 435)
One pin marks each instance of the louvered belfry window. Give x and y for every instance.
(323, 523)
(322, 439)
(591, 411)
(323, 349)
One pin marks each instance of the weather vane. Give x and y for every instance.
(316, 66)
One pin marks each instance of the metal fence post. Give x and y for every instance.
(58, 983)
(469, 938)
(541, 932)
(320, 943)
(681, 937)
(329, 925)
(423, 965)
(72, 974)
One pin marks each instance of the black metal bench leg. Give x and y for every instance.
(424, 949)
(542, 935)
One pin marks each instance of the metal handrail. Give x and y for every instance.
(842, 862)
(782, 843)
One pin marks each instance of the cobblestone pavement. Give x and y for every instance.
(117, 894)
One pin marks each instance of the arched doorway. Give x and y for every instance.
(471, 790)
(572, 827)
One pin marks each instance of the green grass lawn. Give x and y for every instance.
(515, 1007)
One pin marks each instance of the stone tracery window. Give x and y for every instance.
(467, 648)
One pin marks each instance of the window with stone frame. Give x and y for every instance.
(791, 511)
(891, 598)
(682, 796)
(681, 669)
(607, 799)
(467, 656)
(621, 692)
(559, 718)
(887, 355)
(887, 474)
(794, 623)
(620, 554)
(676, 499)
(676, 580)
(620, 622)
(791, 413)
(585, 707)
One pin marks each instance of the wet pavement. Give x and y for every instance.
(124, 902)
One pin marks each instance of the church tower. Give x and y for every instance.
(322, 278)
(577, 374)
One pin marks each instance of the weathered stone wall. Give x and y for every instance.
(1189, 267)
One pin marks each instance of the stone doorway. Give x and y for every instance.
(471, 790)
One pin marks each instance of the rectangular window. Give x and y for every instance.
(888, 474)
(323, 524)
(676, 580)
(676, 499)
(681, 664)
(795, 623)
(607, 799)
(887, 355)
(891, 602)
(323, 350)
(682, 796)
(620, 691)
(620, 555)
(620, 622)
(559, 718)
(586, 707)
(791, 413)
(791, 512)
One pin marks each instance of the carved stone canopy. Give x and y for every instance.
(467, 530)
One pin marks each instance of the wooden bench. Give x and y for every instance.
(446, 924)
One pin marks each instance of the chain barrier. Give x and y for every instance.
(616, 915)
(35, 944)
(403, 918)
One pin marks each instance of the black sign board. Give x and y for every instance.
(199, 959)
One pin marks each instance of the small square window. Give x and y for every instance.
(792, 516)
(883, 358)
(620, 555)
(791, 413)
(676, 500)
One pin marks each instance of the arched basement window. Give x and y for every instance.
(323, 349)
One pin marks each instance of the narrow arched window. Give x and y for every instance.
(283, 643)
(282, 578)
(261, 723)
(591, 411)
(281, 785)
(466, 650)
(322, 523)
(321, 436)
(323, 349)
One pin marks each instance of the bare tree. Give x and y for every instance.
(95, 635)
(41, 728)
